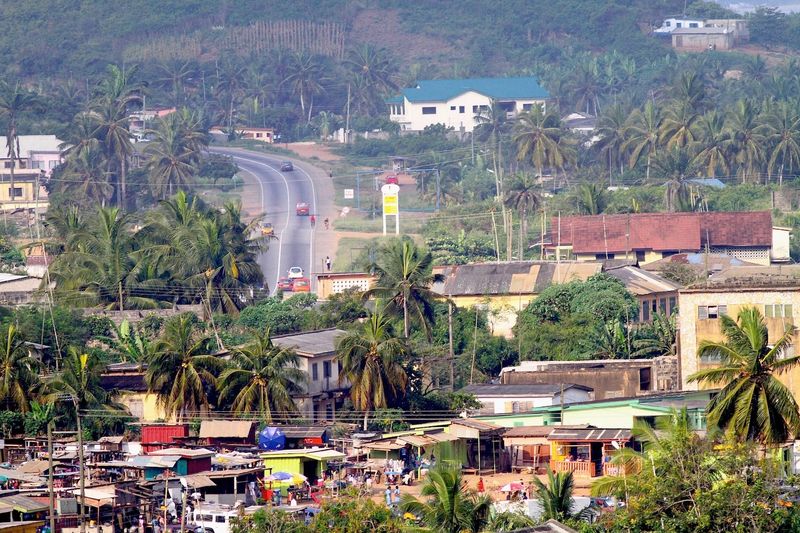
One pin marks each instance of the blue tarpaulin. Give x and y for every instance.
(271, 438)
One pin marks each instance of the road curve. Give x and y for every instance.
(280, 192)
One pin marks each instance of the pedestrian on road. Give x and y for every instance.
(481, 486)
(388, 493)
(328, 262)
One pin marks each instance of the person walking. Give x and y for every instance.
(396, 495)
(328, 262)
(388, 494)
(481, 486)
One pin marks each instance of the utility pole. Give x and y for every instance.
(82, 470)
(450, 334)
(183, 510)
(52, 502)
(347, 120)
(474, 347)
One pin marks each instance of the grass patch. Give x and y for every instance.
(365, 225)
(350, 252)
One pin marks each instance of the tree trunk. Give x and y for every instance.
(366, 418)
(123, 189)
(405, 316)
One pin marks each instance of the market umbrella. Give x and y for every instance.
(511, 487)
(280, 476)
(298, 478)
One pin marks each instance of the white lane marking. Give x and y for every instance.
(313, 230)
(288, 204)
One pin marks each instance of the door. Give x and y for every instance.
(597, 458)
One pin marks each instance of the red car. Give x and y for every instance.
(302, 285)
(301, 209)
(286, 284)
(393, 179)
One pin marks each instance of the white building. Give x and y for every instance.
(454, 103)
(671, 24)
(502, 399)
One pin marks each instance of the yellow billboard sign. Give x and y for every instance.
(390, 205)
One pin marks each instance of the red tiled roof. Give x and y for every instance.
(662, 231)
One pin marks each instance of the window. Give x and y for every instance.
(672, 303)
(7, 164)
(646, 311)
(600, 257)
(662, 306)
(326, 369)
(52, 164)
(428, 110)
(219, 519)
(640, 255)
(644, 379)
(461, 109)
(452, 108)
(678, 24)
(693, 25)
(778, 311)
(527, 107)
(668, 24)
(17, 192)
(37, 164)
(711, 312)
(314, 371)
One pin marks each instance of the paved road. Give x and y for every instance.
(280, 192)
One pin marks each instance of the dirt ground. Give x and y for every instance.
(311, 149)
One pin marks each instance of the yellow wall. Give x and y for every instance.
(693, 330)
(502, 309)
(143, 404)
(649, 257)
(27, 194)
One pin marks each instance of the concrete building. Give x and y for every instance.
(330, 283)
(18, 290)
(648, 237)
(702, 39)
(654, 293)
(501, 399)
(609, 378)
(38, 156)
(266, 135)
(317, 351)
(504, 289)
(454, 103)
(126, 381)
(775, 291)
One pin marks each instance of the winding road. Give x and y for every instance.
(280, 192)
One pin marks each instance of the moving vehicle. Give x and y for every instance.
(267, 230)
(393, 179)
(302, 285)
(216, 518)
(302, 209)
(295, 272)
(287, 166)
(285, 284)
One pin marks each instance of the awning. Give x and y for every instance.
(221, 429)
(198, 481)
(97, 496)
(419, 441)
(441, 436)
(23, 504)
(383, 445)
(590, 435)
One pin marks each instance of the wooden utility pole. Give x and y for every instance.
(52, 502)
(347, 120)
(82, 472)
(450, 335)
(474, 347)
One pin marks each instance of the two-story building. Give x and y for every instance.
(648, 237)
(498, 398)
(455, 103)
(317, 354)
(774, 291)
(37, 157)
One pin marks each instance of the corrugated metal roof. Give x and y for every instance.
(497, 88)
(641, 282)
(34, 143)
(189, 453)
(238, 429)
(154, 461)
(545, 390)
(23, 504)
(311, 343)
(589, 434)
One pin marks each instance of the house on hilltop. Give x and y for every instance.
(454, 103)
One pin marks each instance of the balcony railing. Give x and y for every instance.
(579, 468)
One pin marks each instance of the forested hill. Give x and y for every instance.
(77, 38)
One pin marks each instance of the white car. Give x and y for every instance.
(295, 272)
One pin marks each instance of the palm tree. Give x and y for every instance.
(262, 378)
(643, 135)
(374, 73)
(306, 78)
(537, 135)
(15, 100)
(689, 89)
(174, 155)
(677, 128)
(111, 128)
(747, 140)
(18, 371)
(129, 343)
(447, 506)
(491, 123)
(555, 497)
(174, 75)
(370, 362)
(713, 144)
(592, 199)
(523, 197)
(79, 381)
(85, 177)
(783, 132)
(612, 130)
(753, 403)
(229, 89)
(586, 83)
(677, 167)
(80, 136)
(181, 369)
(404, 277)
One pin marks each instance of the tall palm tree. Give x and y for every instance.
(174, 155)
(782, 129)
(405, 276)
(15, 100)
(111, 128)
(174, 75)
(447, 506)
(753, 403)
(523, 197)
(747, 139)
(18, 371)
(537, 135)
(306, 78)
(587, 86)
(643, 133)
(181, 369)
(80, 136)
(689, 89)
(491, 123)
(262, 378)
(370, 360)
(79, 381)
(677, 167)
(375, 73)
(677, 128)
(713, 144)
(229, 89)
(592, 199)
(85, 177)
(555, 497)
(612, 128)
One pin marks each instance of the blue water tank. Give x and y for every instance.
(271, 438)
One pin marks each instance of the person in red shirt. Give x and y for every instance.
(481, 487)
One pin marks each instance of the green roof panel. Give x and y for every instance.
(496, 88)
